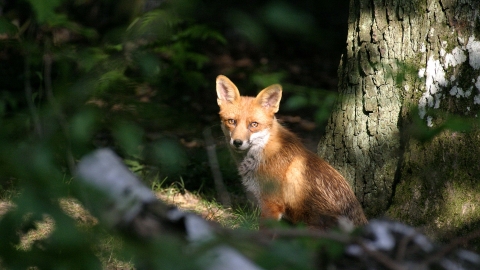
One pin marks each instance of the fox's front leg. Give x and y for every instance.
(270, 209)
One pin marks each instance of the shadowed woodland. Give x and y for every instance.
(138, 77)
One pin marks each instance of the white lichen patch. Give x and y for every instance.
(455, 58)
(457, 91)
(421, 73)
(468, 93)
(435, 75)
(476, 99)
(454, 91)
(436, 80)
(473, 48)
(429, 121)
(442, 52)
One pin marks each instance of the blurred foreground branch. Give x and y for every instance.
(121, 201)
(132, 208)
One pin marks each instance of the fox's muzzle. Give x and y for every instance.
(237, 143)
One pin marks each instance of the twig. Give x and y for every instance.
(29, 97)
(402, 246)
(224, 197)
(294, 233)
(452, 245)
(48, 61)
(379, 257)
(341, 238)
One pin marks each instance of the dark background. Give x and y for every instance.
(139, 77)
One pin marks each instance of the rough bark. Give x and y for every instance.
(405, 60)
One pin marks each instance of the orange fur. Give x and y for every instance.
(288, 181)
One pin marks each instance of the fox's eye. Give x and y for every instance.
(254, 124)
(231, 121)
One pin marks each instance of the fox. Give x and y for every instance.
(288, 181)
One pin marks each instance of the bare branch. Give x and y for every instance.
(222, 192)
(455, 243)
(29, 97)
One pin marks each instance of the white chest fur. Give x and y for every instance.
(247, 169)
(248, 165)
(249, 162)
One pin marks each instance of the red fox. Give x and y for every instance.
(288, 181)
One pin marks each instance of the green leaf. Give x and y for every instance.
(45, 10)
(324, 107)
(8, 28)
(82, 126)
(134, 165)
(333, 248)
(460, 124)
(7, 100)
(264, 80)
(149, 64)
(285, 17)
(170, 155)
(198, 59)
(91, 57)
(129, 136)
(286, 255)
(296, 102)
(154, 25)
(111, 79)
(252, 29)
(201, 32)
(159, 16)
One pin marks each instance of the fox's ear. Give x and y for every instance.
(226, 90)
(270, 97)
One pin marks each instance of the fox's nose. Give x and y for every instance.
(237, 143)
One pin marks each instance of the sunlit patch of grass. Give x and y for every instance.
(5, 206)
(75, 210)
(188, 201)
(107, 251)
(42, 230)
(236, 217)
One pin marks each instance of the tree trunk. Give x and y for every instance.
(407, 60)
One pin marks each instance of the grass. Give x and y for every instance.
(236, 217)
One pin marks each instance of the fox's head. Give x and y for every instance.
(246, 121)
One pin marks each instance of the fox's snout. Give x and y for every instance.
(256, 139)
(237, 143)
